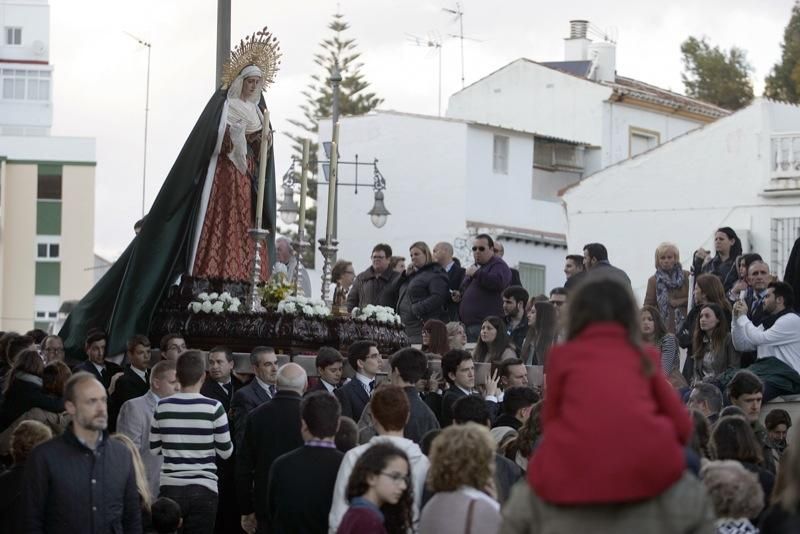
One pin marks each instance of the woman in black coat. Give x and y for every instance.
(422, 291)
(23, 390)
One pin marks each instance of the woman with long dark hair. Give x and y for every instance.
(655, 333)
(604, 340)
(380, 493)
(712, 346)
(434, 338)
(541, 335)
(668, 288)
(493, 345)
(23, 389)
(728, 247)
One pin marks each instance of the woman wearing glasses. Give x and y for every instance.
(379, 492)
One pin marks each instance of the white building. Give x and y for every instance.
(495, 163)
(46, 183)
(742, 171)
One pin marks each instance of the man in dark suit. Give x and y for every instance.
(443, 255)
(261, 389)
(329, 364)
(300, 484)
(365, 359)
(221, 385)
(96, 364)
(271, 430)
(135, 379)
(458, 369)
(758, 277)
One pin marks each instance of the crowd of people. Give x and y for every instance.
(617, 437)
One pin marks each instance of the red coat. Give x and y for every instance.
(610, 434)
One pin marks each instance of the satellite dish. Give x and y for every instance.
(38, 48)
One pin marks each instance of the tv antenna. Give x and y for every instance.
(435, 43)
(459, 15)
(148, 46)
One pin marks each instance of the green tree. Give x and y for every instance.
(716, 76)
(783, 83)
(354, 99)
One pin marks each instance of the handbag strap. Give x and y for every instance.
(468, 526)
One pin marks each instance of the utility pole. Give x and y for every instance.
(146, 118)
(223, 38)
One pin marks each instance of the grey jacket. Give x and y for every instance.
(134, 421)
(421, 419)
(368, 289)
(683, 508)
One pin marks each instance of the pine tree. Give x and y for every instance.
(354, 99)
(716, 76)
(783, 83)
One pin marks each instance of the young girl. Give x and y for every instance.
(380, 494)
(542, 326)
(655, 332)
(494, 345)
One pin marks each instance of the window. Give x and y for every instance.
(21, 84)
(48, 278)
(47, 249)
(532, 277)
(500, 154)
(48, 185)
(13, 36)
(783, 233)
(641, 140)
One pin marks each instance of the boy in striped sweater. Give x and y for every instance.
(189, 430)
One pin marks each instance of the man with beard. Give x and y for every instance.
(83, 457)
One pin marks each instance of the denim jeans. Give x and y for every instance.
(198, 507)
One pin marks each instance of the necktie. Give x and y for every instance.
(104, 376)
(371, 387)
(271, 390)
(228, 388)
(147, 376)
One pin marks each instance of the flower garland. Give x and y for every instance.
(380, 314)
(303, 305)
(215, 303)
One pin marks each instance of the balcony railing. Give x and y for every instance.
(784, 173)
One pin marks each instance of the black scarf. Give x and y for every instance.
(769, 320)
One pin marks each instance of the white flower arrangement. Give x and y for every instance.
(215, 303)
(380, 314)
(303, 306)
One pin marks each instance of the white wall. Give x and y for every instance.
(529, 97)
(683, 191)
(423, 161)
(33, 16)
(620, 118)
(551, 257)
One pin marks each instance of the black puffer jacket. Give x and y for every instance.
(421, 295)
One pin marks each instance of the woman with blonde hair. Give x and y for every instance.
(668, 288)
(456, 335)
(735, 494)
(421, 291)
(142, 485)
(461, 477)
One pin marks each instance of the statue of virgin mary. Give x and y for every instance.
(198, 222)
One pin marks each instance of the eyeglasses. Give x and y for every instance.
(378, 257)
(397, 478)
(478, 248)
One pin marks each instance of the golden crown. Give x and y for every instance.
(260, 49)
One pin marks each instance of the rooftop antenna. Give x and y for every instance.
(435, 43)
(147, 45)
(459, 15)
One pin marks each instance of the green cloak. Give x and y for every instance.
(124, 300)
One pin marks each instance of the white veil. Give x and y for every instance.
(244, 116)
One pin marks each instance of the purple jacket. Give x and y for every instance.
(482, 293)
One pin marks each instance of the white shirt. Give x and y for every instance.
(139, 373)
(328, 387)
(781, 341)
(365, 381)
(265, 386)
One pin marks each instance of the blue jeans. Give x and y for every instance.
(198, 507)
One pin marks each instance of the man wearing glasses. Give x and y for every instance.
(53, 349)
(483, 285)
(369, 285)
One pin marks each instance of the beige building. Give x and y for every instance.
(46, 183)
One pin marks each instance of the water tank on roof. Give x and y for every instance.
(604, 61)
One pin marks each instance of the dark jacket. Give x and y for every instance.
(451, 396)
(245, 400)
(271, 430)
(10, 492)
(105, 378)
(21, 397)
(506, 419)
(421, 295)
(128, 386)
(506, 474)
(482, 293)
(421, 419)
(300, 490)
(368, 288)
(69, 488)
(518, 334)
(455, 276)
(726, 270)
(214, 390)
(353, 398)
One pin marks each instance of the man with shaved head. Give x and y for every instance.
(443, 255)
(271, 430)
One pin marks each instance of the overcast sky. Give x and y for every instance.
(99, 86)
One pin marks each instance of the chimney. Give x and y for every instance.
(576, 46)
(604, 61)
